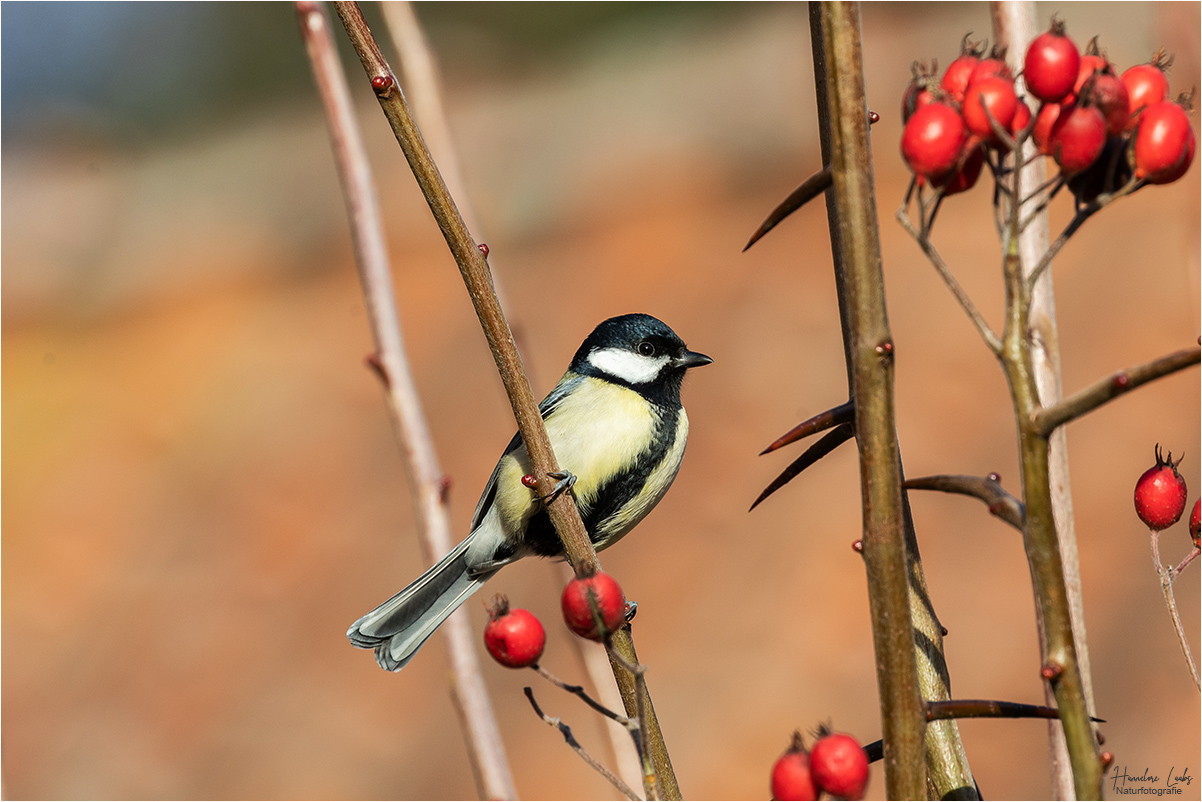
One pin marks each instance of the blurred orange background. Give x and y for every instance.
(201, 490)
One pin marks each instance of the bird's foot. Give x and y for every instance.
(566, 480)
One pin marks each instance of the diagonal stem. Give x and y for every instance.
(987, 334)
(474, 269)
(477, 718)
(1047, 419)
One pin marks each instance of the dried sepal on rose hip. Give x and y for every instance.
(514, 637)
(920, 91)
(956, 76)
(1160, 493)
(578, 599)
(791, 778)
(839, 764)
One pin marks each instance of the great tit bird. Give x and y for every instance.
(618, 431)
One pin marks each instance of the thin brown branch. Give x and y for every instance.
(1082, 214)
(423, 88)
(474, 270)
(1084, 401)
(639, 672)
(1031, 359)
(987, 334)
(485, 747)
(571, 741)
(578, 690)
(1170, 602)
(1181, 566)
(871, 350)
(986, 488)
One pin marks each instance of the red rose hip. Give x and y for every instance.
(578, 611)
(1160, 493)
(1050, 66)
(514, 637)
(932, 141)
(1164, 143)
(839, 765)
(791, 774)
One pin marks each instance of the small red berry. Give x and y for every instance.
(839, 765)
(1194, 524)
(578, 611)
(1109, 94)
(1078, 137)
(1050, 66)
(967, 175)
(514, 637)
(791, 774)
(1147, 84)
(992, 67)
(991, 96)
(1160, 493)
(530, 480)
(1022, 118)
(1044, 120)
(1164, 143)
(932, 141)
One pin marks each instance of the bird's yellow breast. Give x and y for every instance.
(597, 431)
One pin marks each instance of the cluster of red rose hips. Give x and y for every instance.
(1100, 128)
(1160, 497)
(836, 765)
(516, 638)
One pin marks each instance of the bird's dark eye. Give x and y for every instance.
(646, 348)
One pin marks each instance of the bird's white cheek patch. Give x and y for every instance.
(627, 365)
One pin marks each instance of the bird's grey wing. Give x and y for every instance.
(548, 405)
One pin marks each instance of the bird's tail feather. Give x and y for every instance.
(398, 627)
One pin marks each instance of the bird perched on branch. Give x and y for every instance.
(618, 430)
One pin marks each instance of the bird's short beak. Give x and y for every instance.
(692, 359)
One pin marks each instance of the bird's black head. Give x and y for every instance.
(639, 352)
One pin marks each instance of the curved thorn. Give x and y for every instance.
(811, 188)
(832, 440)
(844, 413)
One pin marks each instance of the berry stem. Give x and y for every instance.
(1189, 558)
(578, 690)
(1170, 601)
(987, 334)
(571, 741)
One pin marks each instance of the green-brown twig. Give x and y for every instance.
(474, 270)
